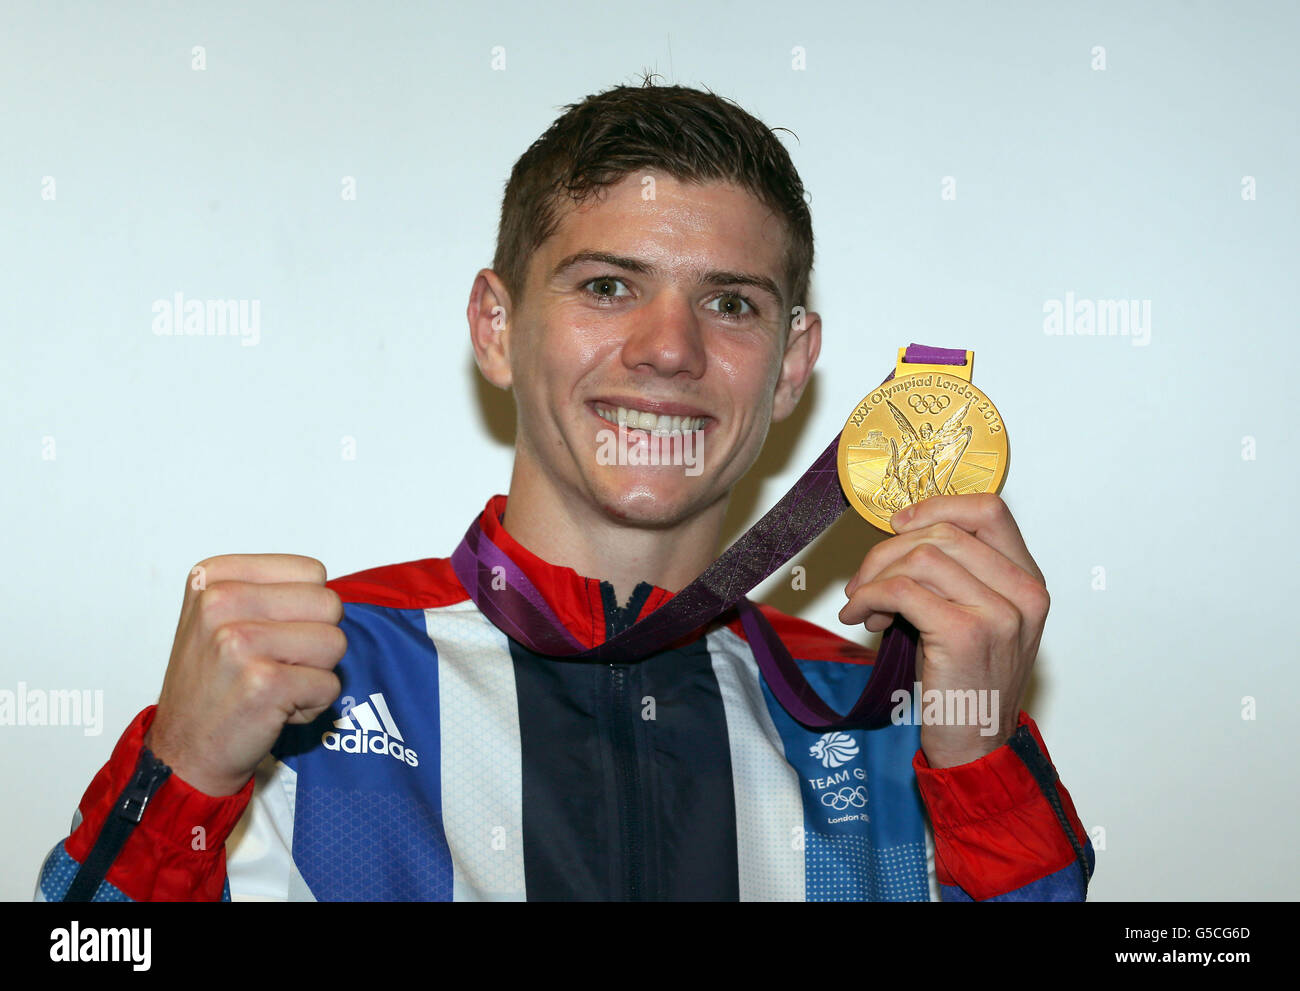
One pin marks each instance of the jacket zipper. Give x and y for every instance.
(1024, 746)
(628, 780)
(149, 775)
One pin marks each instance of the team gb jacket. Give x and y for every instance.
(457, 765)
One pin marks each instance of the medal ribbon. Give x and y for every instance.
(813, 503)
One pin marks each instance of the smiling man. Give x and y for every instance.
(407, 733)
(668, 304)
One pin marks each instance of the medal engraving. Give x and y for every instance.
(920, 435)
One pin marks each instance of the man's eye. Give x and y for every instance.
(602, 282)
(732, 307)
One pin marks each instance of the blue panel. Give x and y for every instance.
(368, 822)
(864, 827)
(57, 875)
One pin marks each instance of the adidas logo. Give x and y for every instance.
(369, 729)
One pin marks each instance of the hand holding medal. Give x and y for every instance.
(923, 457)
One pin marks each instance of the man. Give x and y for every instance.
(376, 736)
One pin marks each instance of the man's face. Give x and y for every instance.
(664, 324)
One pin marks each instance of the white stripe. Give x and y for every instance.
(344, 723)
(381, 707)
(259, 852)
(482, 763)
(769, 808)
(932, 876)
(366, 717)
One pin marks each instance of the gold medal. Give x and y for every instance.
(927, 431)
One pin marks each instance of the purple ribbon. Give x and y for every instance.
(813, 503)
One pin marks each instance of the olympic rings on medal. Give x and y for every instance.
(928, 403)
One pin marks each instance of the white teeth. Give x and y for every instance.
(653, 422)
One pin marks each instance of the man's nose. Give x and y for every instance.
(666, 336)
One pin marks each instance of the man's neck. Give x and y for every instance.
(575, 534)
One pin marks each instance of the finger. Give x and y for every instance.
(990, 615)
(984, 562)
(303, 601)
(938, 573)
(929, 613)
(317, 645)
(263, 568)
(981, 513)
(310, 694)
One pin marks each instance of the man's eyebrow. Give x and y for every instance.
(644, 268)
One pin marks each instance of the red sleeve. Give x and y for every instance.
(159, 861)
(994, 829)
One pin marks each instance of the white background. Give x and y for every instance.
(1122, 183)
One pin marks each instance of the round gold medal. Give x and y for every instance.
(920, 435)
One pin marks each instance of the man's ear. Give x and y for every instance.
(489, 327)
(801, 351)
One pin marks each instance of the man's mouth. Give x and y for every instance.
(652, 422)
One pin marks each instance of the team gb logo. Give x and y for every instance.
(834, 749)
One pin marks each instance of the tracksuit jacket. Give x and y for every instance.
(458, 765)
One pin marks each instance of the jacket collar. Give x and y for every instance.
(578, 601)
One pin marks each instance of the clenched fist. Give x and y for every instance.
(255, 649)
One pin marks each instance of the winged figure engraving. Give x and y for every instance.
(923, 465)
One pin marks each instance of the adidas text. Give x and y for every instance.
(361, 742)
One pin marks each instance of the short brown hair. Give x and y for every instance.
(689, 134)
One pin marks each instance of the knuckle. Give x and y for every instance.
(215, 601)
(333, 688)
(260, 683)
(319, 575)
(869, 563)
(927, 555)
(899, 585)
(319, 695)
(1006, 621)
(210, 567)
(338, 644)
(335, 605)
(230, 641)
(989, 505)
(1038, 599)
(967, 625)
(947, 532)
